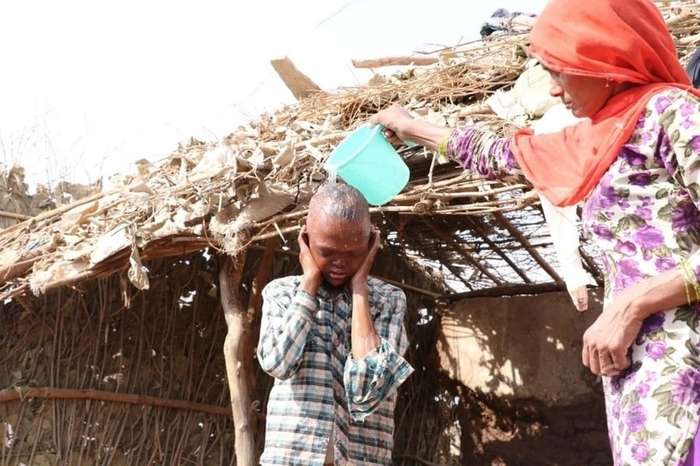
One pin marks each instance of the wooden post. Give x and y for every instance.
(239, 346)
(234, 313)
(250, 337)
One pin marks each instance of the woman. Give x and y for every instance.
(634, 164)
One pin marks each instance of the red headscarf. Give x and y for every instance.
(625, 41)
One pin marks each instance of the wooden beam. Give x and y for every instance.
(298, 83)
(509, 290)
(462, 251)
(515, 233)
(403, 286)
(411, 243)
(593, 267)
(56, 213)
(249, 337)
(13, 215)
(394, 61)
(230, 275)
(494, 247)
(52, 393)
(437, 257)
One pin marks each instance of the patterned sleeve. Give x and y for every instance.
(679, 149)
(372, 379)
(480, 150)
(284, 330)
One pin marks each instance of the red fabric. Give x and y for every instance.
(625, 41)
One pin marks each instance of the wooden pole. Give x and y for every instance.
(249, 342)
(462, 251)
(51, 393)
(394, 61)
(515, 233)
(234, 313)
(509, 290)
(494, 247)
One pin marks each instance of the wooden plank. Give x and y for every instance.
(297, 82)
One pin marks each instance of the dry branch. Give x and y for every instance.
(421, 60)
(51, 393)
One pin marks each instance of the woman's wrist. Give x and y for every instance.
(426, 134)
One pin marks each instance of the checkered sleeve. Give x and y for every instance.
(284, 330)
(372, 379)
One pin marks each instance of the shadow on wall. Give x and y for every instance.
(524, 396)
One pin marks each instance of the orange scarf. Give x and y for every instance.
(625, 41)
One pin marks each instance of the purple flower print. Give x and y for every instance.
(632, 157)
(687, 109)
(608, 197)
(626, 248)
(644, 213)
(665, 263)
(602, 231)
(656, 350)
(616, 409)
(649, 237)
(662, 104)
(642, 390)
(663, 154)
(640, 179)
(640, 452)
(629, 269)
(695, 144)
(685, 217)
(635, 418)
(686, 387)
(651, 324)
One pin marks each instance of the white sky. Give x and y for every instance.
(88, 87)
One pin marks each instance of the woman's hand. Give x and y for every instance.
(396, 121)
(606, 342)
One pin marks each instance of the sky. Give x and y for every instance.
(89, 87)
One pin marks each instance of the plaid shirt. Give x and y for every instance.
(319, 388)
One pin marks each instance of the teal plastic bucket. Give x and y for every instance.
(368, 162)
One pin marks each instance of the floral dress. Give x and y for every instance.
(644, 217)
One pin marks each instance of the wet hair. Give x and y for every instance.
(341, 201)
(693, 68)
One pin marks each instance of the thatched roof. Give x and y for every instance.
(470, 233)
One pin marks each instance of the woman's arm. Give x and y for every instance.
(401, 127)
(476, 148)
